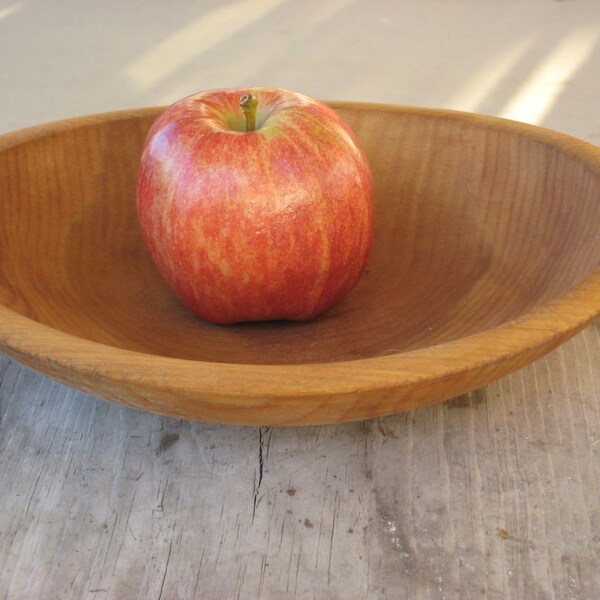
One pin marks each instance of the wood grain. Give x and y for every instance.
(492, 495)
(486, 257)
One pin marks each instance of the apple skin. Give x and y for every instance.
(271, 224)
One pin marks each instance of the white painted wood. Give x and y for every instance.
(491, 495)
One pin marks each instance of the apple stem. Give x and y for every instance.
(248, 104)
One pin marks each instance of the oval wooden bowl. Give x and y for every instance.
(487, 254)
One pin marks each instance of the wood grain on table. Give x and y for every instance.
(494, 494)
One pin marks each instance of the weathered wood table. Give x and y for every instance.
(494, 494)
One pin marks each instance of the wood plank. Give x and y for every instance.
(493, 494)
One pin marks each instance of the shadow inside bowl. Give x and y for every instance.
(474, 227)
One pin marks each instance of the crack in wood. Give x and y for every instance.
(263, 452)
(164, 577)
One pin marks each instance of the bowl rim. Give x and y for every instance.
(539, 330)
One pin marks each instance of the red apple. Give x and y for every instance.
(255, 204)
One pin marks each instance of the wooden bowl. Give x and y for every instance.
(487, 254)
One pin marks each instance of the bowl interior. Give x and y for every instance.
(475, 225)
